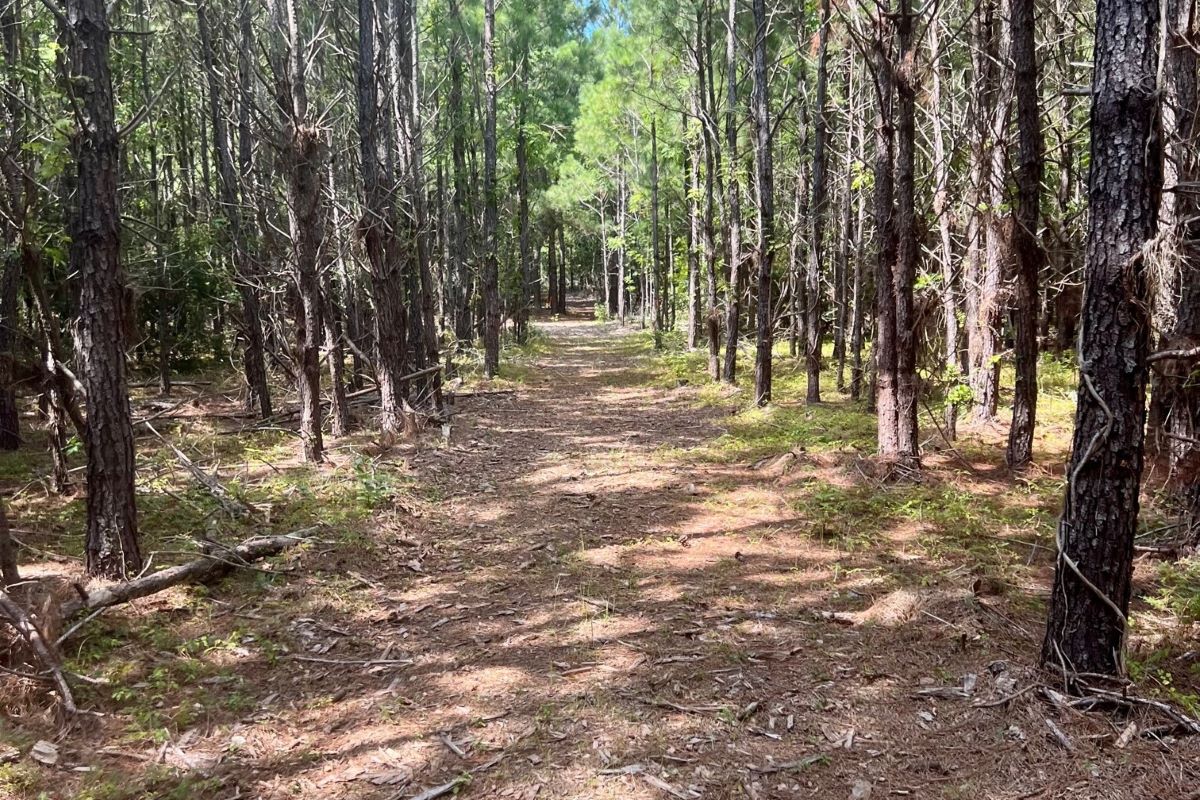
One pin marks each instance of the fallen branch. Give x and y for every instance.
(32, 636)
(204, 568)
(231, 504)
(1178, 717)
(791, 766)
(174, 383)
(436, 791)
(667, 704)
(358, 662)
(1183, 354)
(480, 393)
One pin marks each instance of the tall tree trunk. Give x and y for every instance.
(491, 288)
(552, 266)
(712, 315)
(814, 310)
(460, 232)
(907, 386)
(842, 268)
(377, 228)
(994, 89)
(1027, 247)
(733, 211)
(691, 185)
(12, 115)
(562, 269)
(303, 161)
(655, 271)
(941, 209)
(331, 318)
(523, 244)
(1178, 301)
(884, 342)
(415, 149)
(95, 257)
(857, 288)
(622, 212)
(1089, 602)
(766, 208)
(164, 294)
(254, 365)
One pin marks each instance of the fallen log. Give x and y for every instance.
(155, 384)
(207, 567)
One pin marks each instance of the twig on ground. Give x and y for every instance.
(357, 662)
(653, 701)
(436, 791)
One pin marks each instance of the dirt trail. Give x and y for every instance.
(611, 618)
(581, 608)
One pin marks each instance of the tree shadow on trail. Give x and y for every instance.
(590, 613)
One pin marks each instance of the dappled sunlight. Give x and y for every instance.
(594, 581)
(481, 684)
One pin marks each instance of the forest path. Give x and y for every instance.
(602, 612)
(579, 595)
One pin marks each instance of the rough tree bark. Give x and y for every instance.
(908, 250)
(302, 159)
(655, 260)
(95, 257)
(712, 315)
(1027, 247)
(691, 183)
(994, 91)
(258, 392)
(524, 253)
(11, 221)
(733, 211)
(941, 210)
(765, 184)
(459, 230)
(814, 310)
(1089, 602)
(377, 228)
(884, 342)
(1177, 286)
(491, 288)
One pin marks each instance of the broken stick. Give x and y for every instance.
(203, 568)
(25, 627)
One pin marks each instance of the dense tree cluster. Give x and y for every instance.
(934, 190)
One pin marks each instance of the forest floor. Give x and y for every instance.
(615, 582)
